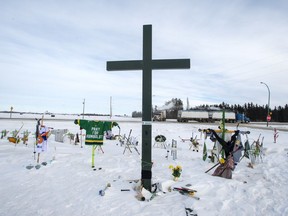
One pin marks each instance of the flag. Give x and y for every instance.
(247, 148)
(204, 151)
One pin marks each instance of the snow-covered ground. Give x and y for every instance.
(69, 186)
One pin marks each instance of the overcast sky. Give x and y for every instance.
(53, 53)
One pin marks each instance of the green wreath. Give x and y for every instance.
(160, 138)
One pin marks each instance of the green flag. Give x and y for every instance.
(204, 151)
(247, 148)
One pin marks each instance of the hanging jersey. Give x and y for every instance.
(44, 132)
(94, 130)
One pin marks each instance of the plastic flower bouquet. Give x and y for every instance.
(176, 171)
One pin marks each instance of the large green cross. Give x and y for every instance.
(146, 65)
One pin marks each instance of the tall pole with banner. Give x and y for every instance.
(268, 117)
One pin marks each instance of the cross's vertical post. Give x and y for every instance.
(146, 173)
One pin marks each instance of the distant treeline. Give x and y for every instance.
(254, 111)
(257, 112)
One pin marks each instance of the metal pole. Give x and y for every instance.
(83, 108)
(82, 118)
(110, 107)
(11, 109)
(268, 105)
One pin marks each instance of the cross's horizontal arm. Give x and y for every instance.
(171, 64)
(156, 64)
(124, 65)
